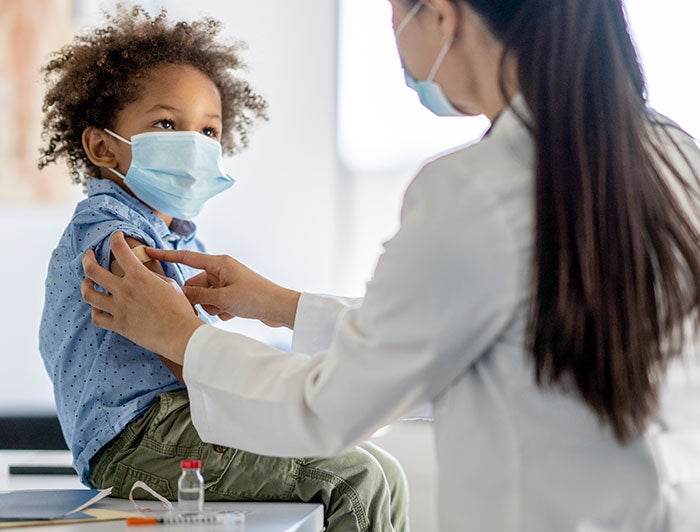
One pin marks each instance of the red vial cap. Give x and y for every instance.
(191, 464)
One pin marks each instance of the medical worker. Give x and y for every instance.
(542, 291)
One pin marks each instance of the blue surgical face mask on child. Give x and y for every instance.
(430, 93)
(175, 172)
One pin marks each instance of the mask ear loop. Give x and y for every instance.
(440, 58)
(115, 172)
(139, 484)
(408, 18)
(117, 136)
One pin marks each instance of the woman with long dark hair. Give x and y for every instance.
(542, 292)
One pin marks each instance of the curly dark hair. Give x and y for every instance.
(93, 78)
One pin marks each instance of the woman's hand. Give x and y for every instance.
(228, 289)
(142, 306)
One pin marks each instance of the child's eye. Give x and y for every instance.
(209, 132)
(165, 124)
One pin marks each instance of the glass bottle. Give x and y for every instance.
(190, 487)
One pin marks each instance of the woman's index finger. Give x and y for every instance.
(200, 261)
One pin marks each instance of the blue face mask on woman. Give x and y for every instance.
(430, 93)
(175, 172)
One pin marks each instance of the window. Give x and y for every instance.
(668, 41)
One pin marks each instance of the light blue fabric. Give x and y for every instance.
(101, 380)
(431, 96)
(175, 172)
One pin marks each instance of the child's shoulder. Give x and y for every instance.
(105, 202)
(107, 209)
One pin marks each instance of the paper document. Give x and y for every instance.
(39, 505)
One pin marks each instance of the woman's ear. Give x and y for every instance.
(448, 16)
(96, 146)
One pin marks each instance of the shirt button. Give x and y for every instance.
(220, 448)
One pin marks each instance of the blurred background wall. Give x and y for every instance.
(319, 189)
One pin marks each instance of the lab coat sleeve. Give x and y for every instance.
(316, 320)
(442, 293)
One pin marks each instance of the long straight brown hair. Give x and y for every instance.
(616, 264)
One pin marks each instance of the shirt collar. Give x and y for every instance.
(184, 230)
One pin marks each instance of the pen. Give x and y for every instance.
(236, 518)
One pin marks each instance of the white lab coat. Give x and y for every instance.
(442, 321)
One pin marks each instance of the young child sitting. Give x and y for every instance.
(141, 110)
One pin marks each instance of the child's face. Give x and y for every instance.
(173, 97)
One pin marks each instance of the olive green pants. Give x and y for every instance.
(364, 489)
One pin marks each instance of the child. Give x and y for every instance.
(141, 111)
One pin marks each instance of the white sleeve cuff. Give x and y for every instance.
(316, 321)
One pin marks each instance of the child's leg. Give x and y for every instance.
(367, 477)
(352, 487)
(398, 484)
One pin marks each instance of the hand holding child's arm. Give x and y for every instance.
(228, 289)
(148, 309)
(138, 248)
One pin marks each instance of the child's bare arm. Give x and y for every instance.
(156, 267)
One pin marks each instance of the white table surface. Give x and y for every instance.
(259, 516)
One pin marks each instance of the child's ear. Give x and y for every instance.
(96, 146)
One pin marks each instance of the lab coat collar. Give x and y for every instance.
(517, 109)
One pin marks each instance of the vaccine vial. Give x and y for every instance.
(190, 488)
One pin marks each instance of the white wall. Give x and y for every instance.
(29, 235)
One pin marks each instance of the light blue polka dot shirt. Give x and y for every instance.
(101, 380)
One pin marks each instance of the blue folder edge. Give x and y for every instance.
(44, 505)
